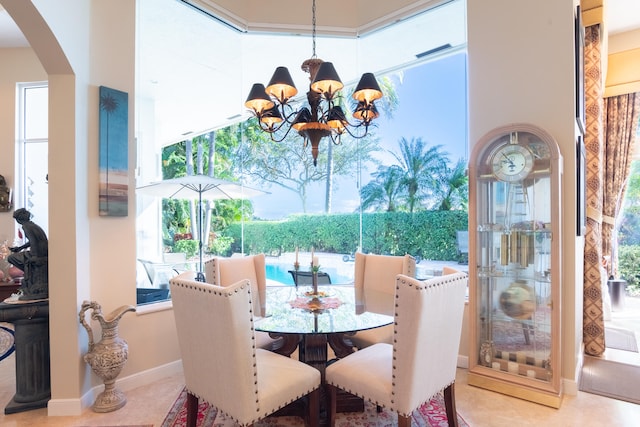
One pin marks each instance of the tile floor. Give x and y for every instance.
(479, 407)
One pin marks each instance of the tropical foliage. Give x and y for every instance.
(289, 165)
(629, 228)
(629, 233)
(421, 179)
(629, 259)
(425, 234)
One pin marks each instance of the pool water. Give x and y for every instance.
(280, 273)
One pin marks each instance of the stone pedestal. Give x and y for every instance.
(33, 374)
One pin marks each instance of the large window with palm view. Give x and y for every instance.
(401, 189)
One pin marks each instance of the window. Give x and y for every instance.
(423, 57)
(32, 151)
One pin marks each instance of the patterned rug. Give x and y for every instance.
(431, 414)
(7, 342)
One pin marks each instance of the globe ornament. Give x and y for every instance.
(518, 301)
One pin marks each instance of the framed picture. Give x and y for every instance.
(579, 70)
(581, 190)
(114, 152)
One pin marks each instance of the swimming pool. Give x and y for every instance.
(280, 273)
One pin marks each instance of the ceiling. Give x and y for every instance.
(185, 101)
(622, 15)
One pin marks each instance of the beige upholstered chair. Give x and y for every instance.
(374, 282)
(423, 357)
(225, 271)
(221, 362)
(449, 270)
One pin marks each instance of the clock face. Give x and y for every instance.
(512, 162)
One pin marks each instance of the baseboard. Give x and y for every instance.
(463, 361)
(74, 407)
(147, 377)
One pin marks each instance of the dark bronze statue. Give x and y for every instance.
(34, 261)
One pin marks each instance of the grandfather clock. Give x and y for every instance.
(514, 264)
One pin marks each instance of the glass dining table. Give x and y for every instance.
(314, 323)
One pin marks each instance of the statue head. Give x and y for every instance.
(21, 215)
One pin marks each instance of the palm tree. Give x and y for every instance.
(422, 165)
(388, 105)
(385, 192)
(453, 190)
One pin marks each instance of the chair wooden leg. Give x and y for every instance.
(404, 421)
(332, 395)
(313, 412)
(450, 405)
(192, 410)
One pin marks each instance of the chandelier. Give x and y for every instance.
(323, 117)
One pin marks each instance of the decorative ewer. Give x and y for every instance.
(107, 357)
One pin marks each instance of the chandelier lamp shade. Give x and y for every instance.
(323, 117)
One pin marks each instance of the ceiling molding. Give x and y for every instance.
(355, 19)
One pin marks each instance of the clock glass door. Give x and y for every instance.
(512, 274)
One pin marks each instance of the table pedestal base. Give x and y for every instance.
(312, 350)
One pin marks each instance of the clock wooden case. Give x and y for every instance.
(514, 269)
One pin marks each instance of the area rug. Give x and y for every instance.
(7, 342)
(611, 379)
(431, 414)
(620, 339)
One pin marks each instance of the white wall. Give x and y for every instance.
(521, 71)
(91, 257)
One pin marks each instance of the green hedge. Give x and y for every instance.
(628, 262)
(427, 234)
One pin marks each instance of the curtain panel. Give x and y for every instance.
(620, 127)
(593, 321)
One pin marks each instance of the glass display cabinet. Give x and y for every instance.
(514, 269)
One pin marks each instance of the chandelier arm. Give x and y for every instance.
(288, 118)
(275, 138)
(350, 126)
(335, 138)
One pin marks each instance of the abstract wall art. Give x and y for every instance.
(114, 158)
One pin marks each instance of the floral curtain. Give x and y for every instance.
(620, 126)
(593, 322)
(610, 132)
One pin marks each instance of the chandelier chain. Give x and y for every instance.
(313, 27)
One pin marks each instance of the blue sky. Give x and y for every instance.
(432, 106)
